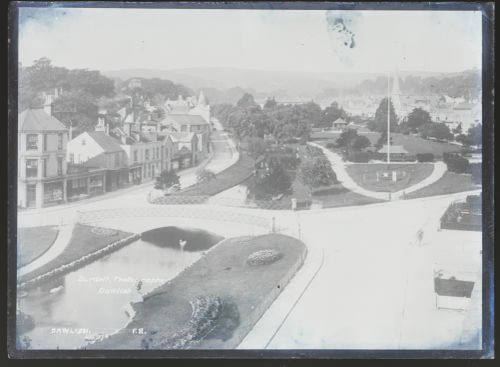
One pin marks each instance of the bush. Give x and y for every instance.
(330, 145)
(425, 157)
(359, 157)
(457, 164)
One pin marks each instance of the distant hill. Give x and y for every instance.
(289, 84)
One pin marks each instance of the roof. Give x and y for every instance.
(183, 119)
(340, 120)
(38, 120)
(396, 149)
(106, 142)
(182, 136)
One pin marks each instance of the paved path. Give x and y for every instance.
(339, 167)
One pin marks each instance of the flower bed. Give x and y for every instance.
(206, 310)
(264, 257)
(105, 232)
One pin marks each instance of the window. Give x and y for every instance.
(59, 166)
(147, 154)
(84, 142)
(32, 142)
(117, 159)
(31, 168)
(135, 156)
(157, 153)
(72, 157)
(44, 165)
(44, 142)
(59, 141)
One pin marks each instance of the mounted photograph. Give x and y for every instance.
(250, 180)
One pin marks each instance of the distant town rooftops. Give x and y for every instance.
(183, 119)
(396, 149)
(36, 119)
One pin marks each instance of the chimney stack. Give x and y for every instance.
(47, 105)
(70, 132)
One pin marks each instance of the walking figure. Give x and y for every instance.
(182, 244)
(420, 236)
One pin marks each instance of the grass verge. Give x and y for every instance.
(448, 184)
(83, 242)
(33, 242)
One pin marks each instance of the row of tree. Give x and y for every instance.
(247, 119)
(84, 92)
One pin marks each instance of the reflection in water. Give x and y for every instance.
(95, 299)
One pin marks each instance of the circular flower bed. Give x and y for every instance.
(105, 232)
(264, 257)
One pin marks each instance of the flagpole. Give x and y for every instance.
(388, 120)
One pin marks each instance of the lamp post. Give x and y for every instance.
(388, 119)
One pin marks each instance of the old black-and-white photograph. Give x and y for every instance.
(241, 179)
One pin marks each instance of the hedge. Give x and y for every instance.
(457, 164)
(425, 157)
(359, 157)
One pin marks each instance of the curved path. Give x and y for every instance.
(339, 167)
(57, 248)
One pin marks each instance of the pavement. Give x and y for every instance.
(338, 166)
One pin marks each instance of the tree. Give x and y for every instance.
(205, 175)
(246, 101)
(475, 135)
(270, 104)
(360, 142)
(256, 146)
(274, 182)
(457, 130)
(166, 180)
(330, 114)
(380, 121)
(417, 118)
(351, 141)
(435, 130)
(317, 171)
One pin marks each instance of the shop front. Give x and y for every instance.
(135, 175)
(116, 179)
(53, 193)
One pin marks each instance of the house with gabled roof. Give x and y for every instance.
(42, 165)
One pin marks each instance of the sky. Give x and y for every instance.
(288, 40)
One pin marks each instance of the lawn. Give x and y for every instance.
(240, 294)
(33, 242)
(83, 242)
(229, 177)
(365, 175)
(413, 144)
(338, 195)
(448, 184)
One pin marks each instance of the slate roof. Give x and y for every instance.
(37, 119)
(106, 142)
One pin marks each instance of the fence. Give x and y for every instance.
(459, 216)
(94, 216)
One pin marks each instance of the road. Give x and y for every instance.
(374, 289)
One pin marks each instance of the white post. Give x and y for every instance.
(388, 119)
